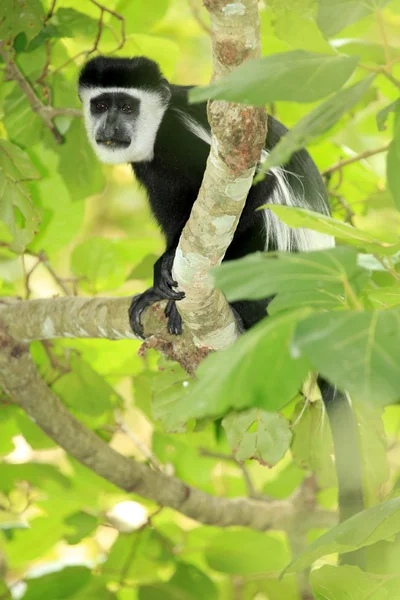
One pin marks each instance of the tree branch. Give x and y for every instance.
(20, 379)
(238, 136)
(349, 161)
(77, 317)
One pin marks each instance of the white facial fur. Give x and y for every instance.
(144, 130)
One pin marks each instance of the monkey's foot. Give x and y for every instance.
(138, 305)
(143, 301)
(174, 318)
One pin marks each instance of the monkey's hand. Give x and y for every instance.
(161, 290)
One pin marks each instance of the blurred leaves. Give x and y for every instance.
(365, 528)
(335, 15)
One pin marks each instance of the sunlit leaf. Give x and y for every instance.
(317, 122)
(70, 580)
(256, 371)
(21, 16)
(246, 552)
(262, 275)
(188, 582)
(295, 76)
(77, 160)
(393, 160)
(16, 207)
(332, 583)
(334, 15)
(388, 243)
(358, 351)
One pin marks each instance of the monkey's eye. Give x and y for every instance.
(101, 107)
(128, 108)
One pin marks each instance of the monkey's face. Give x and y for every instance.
(122, 124)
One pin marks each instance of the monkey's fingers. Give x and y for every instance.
(166, 292)
(138, 305)
(166, 275)
(174, 319)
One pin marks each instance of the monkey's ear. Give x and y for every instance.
(165, 90)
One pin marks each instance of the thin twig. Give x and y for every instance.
(382, 71)
(117, 16)
(86, 53)
(381, 24)
(348, 161)
(138, 443)
(45, 261)
(41, 80)
(252, 492)
(195, 10)
(51, 11)
(63, 112)
(341, 199)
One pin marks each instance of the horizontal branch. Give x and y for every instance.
(77, 317)
(20, 379)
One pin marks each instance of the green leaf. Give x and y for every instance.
(27, 544)
(384, 113)
(21, 16)
(261, 275)
(23, 125)
(334, 583)
(334, 15)
(32, 433)
(246, 552)
(149, 550)
(77, 160)
(373, 447)
(312, 446)
(302, 217)
(393, 160)
(71, 23)
(317, 122)
(16, 208)
(385, 296)
(358, 351)
(187, 583)
(257, 370)
(258, 434)
(168, 387)
(85, 390)
(296, 76)
(367, 527)
(141, 15)
(81, 525)
(365, 50)
(58, 585)
(101, 262)
(36, 474)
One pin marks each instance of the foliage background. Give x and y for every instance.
(71, 226)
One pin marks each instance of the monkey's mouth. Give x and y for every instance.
(113, 144)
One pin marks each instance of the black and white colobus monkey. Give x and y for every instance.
(134, 115)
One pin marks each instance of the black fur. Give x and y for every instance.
(138, 72)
